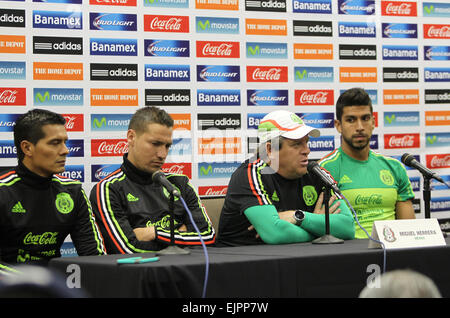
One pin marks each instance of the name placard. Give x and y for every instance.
(407, 233)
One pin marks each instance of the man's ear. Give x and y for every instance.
(131, 136)
(27, 148)
(337, 124)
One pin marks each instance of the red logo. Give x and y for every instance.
(267, 74)
(399, 8)
(166, 23)
(402, 141)
(178, 168)
(436, 31)
(217, 49)
(108, 147)
(314, 97)
(438, 161)
(13, 96)
(212, 191)
(124, 3)
(74, 122)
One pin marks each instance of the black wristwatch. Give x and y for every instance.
(299, 216)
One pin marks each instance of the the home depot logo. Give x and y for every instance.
(265, 27)
(58, 71)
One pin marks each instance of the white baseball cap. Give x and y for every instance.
(286, 124)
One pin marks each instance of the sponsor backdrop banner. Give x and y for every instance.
(218, 66)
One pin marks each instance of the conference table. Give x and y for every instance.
(271, 271)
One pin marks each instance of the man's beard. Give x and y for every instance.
(357, 146)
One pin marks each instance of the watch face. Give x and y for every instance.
(299, 214)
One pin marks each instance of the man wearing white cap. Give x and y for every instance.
(272, 193)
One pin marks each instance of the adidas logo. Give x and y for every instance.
(275, 196)
(132, 198)
(18, 208)
(345, 179)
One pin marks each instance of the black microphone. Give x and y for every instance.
(315, 169)
(159, 177)
(409, 160)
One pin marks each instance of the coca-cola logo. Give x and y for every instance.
(402, 141)
(217, 50)
(74, 122)
(114, 147)
(162, 23)
(398, 8)
(178, 168)
(437, 31)
(212, 191)
(266, 74)
(438, 161)
(12, 96)
(314, 97)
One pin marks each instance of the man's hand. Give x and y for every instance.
(333, 206)
(145, 233)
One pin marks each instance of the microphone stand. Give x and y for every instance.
(327, 238)
(426, 196)
(172, 248)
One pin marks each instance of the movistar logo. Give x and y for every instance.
(18, 208)
(431, 139)
(98, 124)
(204, 25)
(253, 51)
(132, 198)
(205, 171)
(429, 9)
(40, 98)
(301, 75)
(390, 119)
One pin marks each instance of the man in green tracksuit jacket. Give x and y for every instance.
(376, 186)
(272, 199)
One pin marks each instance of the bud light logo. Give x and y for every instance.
(126, 47)
(166, 48)
(7, 122)
(113, 21)
(99, 172)
(436, 53)
(58, 20)
(318, 120)
(218, 97)
(12, 70)
(312, 6)
(7, 149)
(267, 97)
(172, 73)
(75, 172)
(356, 7)
(76, 147)
(218, 73)
(399, 30)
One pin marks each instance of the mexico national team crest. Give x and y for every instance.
(388, 234)
(64, 203)
(309, 195)
(386, 177)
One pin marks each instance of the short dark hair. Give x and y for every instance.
(149, 115)
(352, 97)
(29, 127)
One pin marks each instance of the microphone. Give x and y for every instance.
(409, 160)
(324, 176)
(159, 177)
